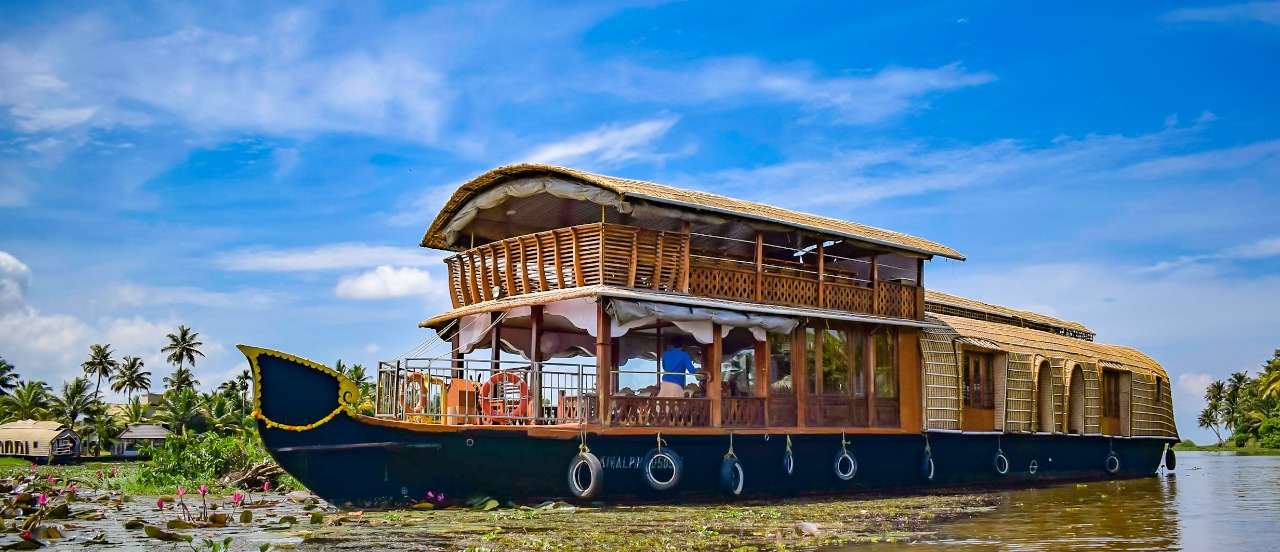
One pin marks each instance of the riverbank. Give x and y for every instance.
(1247, 450)
(98, 512)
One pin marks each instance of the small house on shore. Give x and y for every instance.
(136, 436)
(39, 440)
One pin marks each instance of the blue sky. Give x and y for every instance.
(263, 173)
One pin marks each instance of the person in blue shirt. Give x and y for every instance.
(675, 364)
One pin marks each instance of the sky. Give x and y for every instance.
(263, 173)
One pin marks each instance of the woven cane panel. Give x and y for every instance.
(1093, 398)
(999, 375)
(941, 379)
(1126, 404)
(1020, 392)
(1059, 394)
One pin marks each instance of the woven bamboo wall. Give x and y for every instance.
(1044, 393)
(1152, 415)
(1092, 398)
(941, 379)
(1059, 394)
(1020, 392)
(999, 373)
(1126, 403)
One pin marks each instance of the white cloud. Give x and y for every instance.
(852, 99)
(1263, 12)
(326, 257)
(1261, 249)
(607, 145)
(386, 282)
(372, 348)
(15, 278)
(136, 294)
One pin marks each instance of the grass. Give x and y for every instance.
(1250, 449)
(11, 462)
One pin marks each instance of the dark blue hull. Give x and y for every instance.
(359, 461)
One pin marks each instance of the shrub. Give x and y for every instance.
(1269, 433)
(194, 459)
(1241, 439)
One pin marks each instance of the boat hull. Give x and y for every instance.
(354, 460)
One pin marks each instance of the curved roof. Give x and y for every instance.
(1026, 340)
(1021, 316)
(687, 199)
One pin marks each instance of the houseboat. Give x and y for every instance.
(40, 441)
(613, 337)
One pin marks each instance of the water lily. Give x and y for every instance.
(42, 499)
(160, 503)
(430, 494)
(71, 488)
(204, 490)
(237, 497)
(181, 491)
(265, 486)
(99, 474)
(440, 497)
(52, 479)
(114, 471)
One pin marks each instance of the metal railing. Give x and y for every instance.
(486, 392)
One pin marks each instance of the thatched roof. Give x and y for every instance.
(683, 199)
(936, 301)
(32, 430)
(994, 335)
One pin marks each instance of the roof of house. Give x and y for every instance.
(32, 430)
(999, 313)
(1004, 337)
(143, 431)
(688, 199)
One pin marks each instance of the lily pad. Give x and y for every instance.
(424, 506)
(290, 520)
(317, 518)
(134, 523)
(160, 534)
(246, 517)
(178, 524)
(218, 520)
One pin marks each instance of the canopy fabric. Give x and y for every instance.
(696, 320)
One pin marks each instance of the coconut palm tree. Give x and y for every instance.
(244, 379)
(222, 417)
(100, 425)
(72, 401)
(181, 380)
(179, 410)
(183, 347)
(30, 401)
(100, 364)
(134, 412)
(9, 379)
(130, 377)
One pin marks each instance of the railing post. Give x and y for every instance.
(821, 273)
(759, 264)
(714, 380)
(604, 362)
(875, 286)
(920, 289)
(688, 254)
(762, 375)
(535, 356)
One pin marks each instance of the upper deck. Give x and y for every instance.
(531, 228)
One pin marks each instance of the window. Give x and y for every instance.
(857, 348)
(979, 387)
(780, 363)
(1111, 394)
(835, 367)
(886, 383)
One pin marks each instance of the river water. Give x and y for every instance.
(1216, 502)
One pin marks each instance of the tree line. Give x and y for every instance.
(1246, 407)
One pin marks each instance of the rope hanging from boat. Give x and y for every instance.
(277, 425)
(730, 454)
(660, 442)
(582, 443)
(788, 443)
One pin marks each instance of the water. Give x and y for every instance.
(1215, 502)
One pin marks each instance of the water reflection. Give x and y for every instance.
(1216, 501)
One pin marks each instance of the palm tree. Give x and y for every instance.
(73, 400)
(183, 347)
(222, 418)
(100, 424)
(1208, 419)
(134, 412)
(100, 364)
(8, 377)
(181, 380)
(131, 377)
(30, 401)
(178, 410)
(244, 379)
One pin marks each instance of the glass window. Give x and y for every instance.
(886, 359)
(738, 363)
(979, 384)
(810, 339)
(857, 344)
(780, 363)
(835, 363)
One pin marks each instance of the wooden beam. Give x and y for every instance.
(604, 362)
(759, 265)
(714, 380)
(762, 375)
(798, 373)
(535, 358)
(869, 372)
(875, 286)
(688, 254)
(821, 273)
(920, 289)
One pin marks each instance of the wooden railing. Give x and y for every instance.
(577, 256)
(614, 254)
(742, 412)
(728, 279)
(660, 412)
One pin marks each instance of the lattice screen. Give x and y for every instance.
(1092, 398)
(941, 379)
(1059, 394)
(1020, 392)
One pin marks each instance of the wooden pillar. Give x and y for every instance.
(919, 289)
(799, 373)
(869, 372)
(759, 265)
(821, 273)
(762, 375)
(604, 362)
(875, 286)
(713, 375)
(688, 254)
(535, 358)
(495, 337)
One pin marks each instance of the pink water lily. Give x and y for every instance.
(52, 479)
(160, 503)
(204, 490)
(440, 497)
(181, 491)
(237, 497)
(71, 489)
(431, 494)
(99, 474)
(265, 486)
(42, 499)
(114, 471)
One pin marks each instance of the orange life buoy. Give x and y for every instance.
(421, 405)
(499, 409)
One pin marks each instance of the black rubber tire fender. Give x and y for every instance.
(654, 456)
(732, 478)
(1170, 460)
(594, 470)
